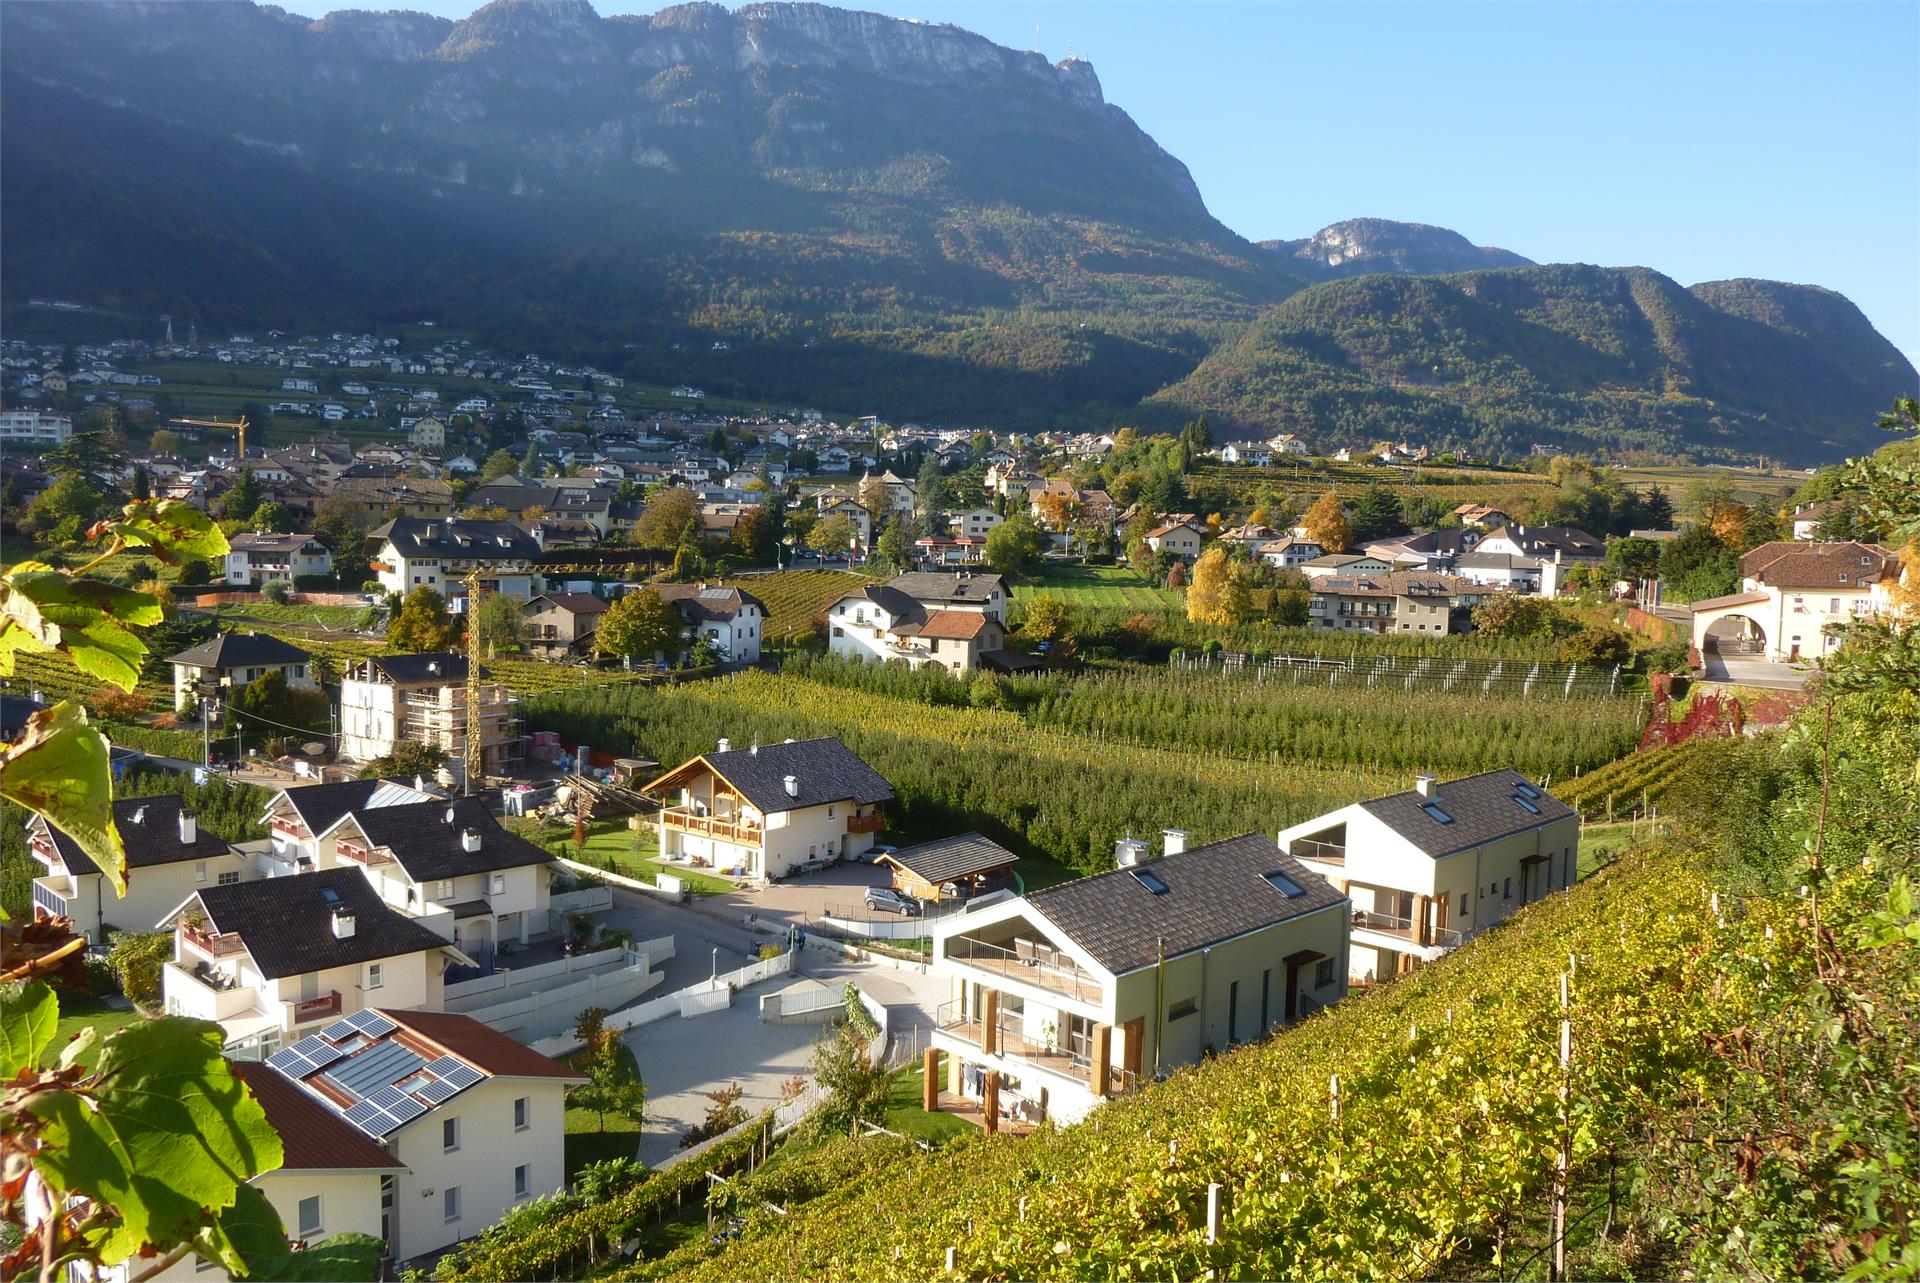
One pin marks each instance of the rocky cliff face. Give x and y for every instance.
(1362, 245)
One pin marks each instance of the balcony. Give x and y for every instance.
(867, 823)
(218, 946)
(1322, 852)
(290, 828)
(1036, 964)
(327, 1004)
(723, 828)
(371, 858)
(205, 992)
(47, 900)
(1404, 929)
(1012, 1043)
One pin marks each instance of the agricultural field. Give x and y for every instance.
(337, 618)
(1097, 586)
(1767, 490)
(794, 597)
(1634, 784)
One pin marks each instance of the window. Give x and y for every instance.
(309, 1216)
(829, 813)
(1434, 812)
(497, 884)
(1508, 892)
(228, 879)
(1149, 881)
(1526, 805)
(450, 1136)
(522, 1113)
(1463, 904)
(444, 889)
(199, 870)
(1283, 884)
(1233, 1012)
(522, 1181)
(1184, 1007)
(374, 975)
(1323, 973)
(450, 1203)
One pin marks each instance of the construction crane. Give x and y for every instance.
(474, 766)
(236, 426)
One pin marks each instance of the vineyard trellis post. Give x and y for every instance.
(1562, 1156)
(1216, 1199)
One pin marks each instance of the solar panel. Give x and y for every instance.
(379, 1066)
(340, 1029)
(386, 1097)
(462, 1076)
(406, 1111)
(318, 1050)
(368, 1117)
(290, 1062)
(371, 1023)
(438, 1090)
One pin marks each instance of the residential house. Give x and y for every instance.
(1806, 519)
(975, 523)
(1425, 550)
(1079, 992)
(221, 667)
(861, 519)
(1501, 570)
(169, 856)
(733, 620)
(296, 818)
(422, 699)
(269, 960)
(1400, 602)
(428, 433)
(1484, 516)
(254, 557)
(409, 553)
(1289, 552)
(475, 1120)
(1559, 544)
(954, 868)
(953, 620)
(1287, 444)
(1429, 867)
(770, 810)
(1254, 454)
(561, 623)
(1794, 598)
(31, 427)
(1181, 538)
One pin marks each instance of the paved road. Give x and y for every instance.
(1747, 671)
(696, 936)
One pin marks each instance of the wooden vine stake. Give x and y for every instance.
(951, 1253)
(1562, 1158)
(1333, 1098)
(1216, 1200)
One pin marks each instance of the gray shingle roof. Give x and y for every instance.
(287, 923)
(151, 840)
(442, 668)
(1481, 807)
(457, 538)
(954, 857)
(926, 586)
(1214, 892)
(824, 770)
(696, 602)
(427, 844)
(238, 650)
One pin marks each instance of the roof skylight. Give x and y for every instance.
(1149, 881)
(1434, 812)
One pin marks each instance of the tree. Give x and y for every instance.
(339, 525)
(930, 490)
(1633, 558)
(500, 623)
(242, 497)
(723, 1115)
(422, 625)
(1221, 592)
(272, 517)
(665, 518)
(1046, 620)
(497, 465)
(280, 707)
(1376, 514)
(752, 536)
(530, 462)
(1510, 614)
(1603, 644)
(137, 958)
(638, 626)
(1292, 607)
(832, 535)
(855, 1088)
(1197, 436)
(1728, 521)
(875, 498)
(1177, 575)
(613, 1079)
(141, 485)
(67, 506)
(893, 550)
(1697, 565)
(408, 759)
(1058, 509)
(1014, 546)
(164, 441)
(1326, 523)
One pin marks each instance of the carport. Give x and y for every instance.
(950, 868)
(1730, 625)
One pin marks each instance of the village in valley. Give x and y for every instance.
(550, 766)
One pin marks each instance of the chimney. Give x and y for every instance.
(1424, 785)
(792, 784)
(342, 924)
(419, 784)
(469, 840)
(1128, 852)
(139, 815)
(189, 829)
(725, 745)
(1175, 840)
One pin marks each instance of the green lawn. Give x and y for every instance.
(1097, 586)
(634, 854)
(78, 1012)
(586, 1143)
(272, 612)
(904, 1114)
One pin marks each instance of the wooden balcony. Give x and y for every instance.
(724, 828)
(219, 946)
(867, 823)
(371, 858)
(327, 1004)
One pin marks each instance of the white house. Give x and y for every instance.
(1181, 538)
(254, 557)
(386, 700)
(1289, 551)
(953, 620)
(770, 810)
(1793, 596)
(413, 552)
(1083, 991)
(1429, 867)
(169, 856)
(296, 819)
(733, 620)
(223, 666)
(31, 427)
(975, 523)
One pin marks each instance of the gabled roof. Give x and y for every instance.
(254, 541)
(956, 857)
(955, 625)
(313, 1136)
(439, 668)
(574, 603)
(959, 589)
(286, 924)
(150, 830)
(1212, 893)
(425, 839)
(1480, 808)
(707, 601)
(486, 1049)
(1565, 540)
(320, 806)
(824, 770)
(458, 538)
(1171, 526)
(1802, 564)
(240, 650)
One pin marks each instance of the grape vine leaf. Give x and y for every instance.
(86, 618)
(173, 528)
(58, 769)
(27, 1023)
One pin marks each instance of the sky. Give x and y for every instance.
(1704, 140)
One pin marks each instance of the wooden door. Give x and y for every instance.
(1131, 1055)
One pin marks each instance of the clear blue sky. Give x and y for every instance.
(1703, 140)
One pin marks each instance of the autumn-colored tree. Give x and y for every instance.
(1046, 619)
(1326, 523)
(875, 497)
(638, 626)
(832, 535)
(665, 518)
(422, 625)
(1222, 589)
(1728, 521)
(1177, 576)
(1058, 509)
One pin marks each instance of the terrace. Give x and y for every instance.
(1029, 961)
(727, 828)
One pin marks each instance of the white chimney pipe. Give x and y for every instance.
(1424, 785)
(469, 840)
(792, 784)
(189, 829)
(725, 746)
(1175, 840)
(342, 924)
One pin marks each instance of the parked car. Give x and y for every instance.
(891, 901)
(872, 854)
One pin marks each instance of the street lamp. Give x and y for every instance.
(713, 978)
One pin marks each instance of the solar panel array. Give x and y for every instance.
(305, 1056)
(371, 1072)
(365, 1021)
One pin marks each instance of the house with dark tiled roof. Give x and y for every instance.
(416, 552)
(256, 557)
(223, 666)
(1069, 995)
(300, 820)
(952, 620)
(769, 810)
(422, 699)
(1431, 866)
(1795, 599)
(473, 1122)
(169, 856)
(271, 959)
(729, 617)
(1418, 602)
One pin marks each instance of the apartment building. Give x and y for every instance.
(414, 552)
(953, 620)
(169, 856)
(253, 558)
(1399, 602)
(422, 699)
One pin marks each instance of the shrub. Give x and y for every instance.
(136, 958)
(115, 704)
(276, 591)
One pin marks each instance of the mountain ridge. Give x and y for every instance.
(1357, 246)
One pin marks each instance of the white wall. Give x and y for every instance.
(482, 1167)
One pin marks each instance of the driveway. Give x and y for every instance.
(1742, 670)
(793, 902)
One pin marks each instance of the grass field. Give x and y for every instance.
(336, 617)
(586, 1143)
(1097, 586)
(78, 1011)
(633, 854)
(904, 1114)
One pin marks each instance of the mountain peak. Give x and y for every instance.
(1359, 246)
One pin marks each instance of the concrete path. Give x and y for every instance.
(1744, 671)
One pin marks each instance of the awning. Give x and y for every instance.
(472, 909)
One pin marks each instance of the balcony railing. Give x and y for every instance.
(290, 828)
(45, 898)
(713, 826)
(1389, 924)
(220, 946)
(1011, 1042)
(1036, 964)
(867, 823)
(327, 1004)
(362, 855)
(1311, 849)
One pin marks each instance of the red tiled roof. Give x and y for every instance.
(959, 625)
(1798, 564)
(487, 1050)
(311, 1135)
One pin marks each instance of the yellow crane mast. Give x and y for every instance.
(474, 765)
(236, 426)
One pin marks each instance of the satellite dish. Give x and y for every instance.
(313, 748)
